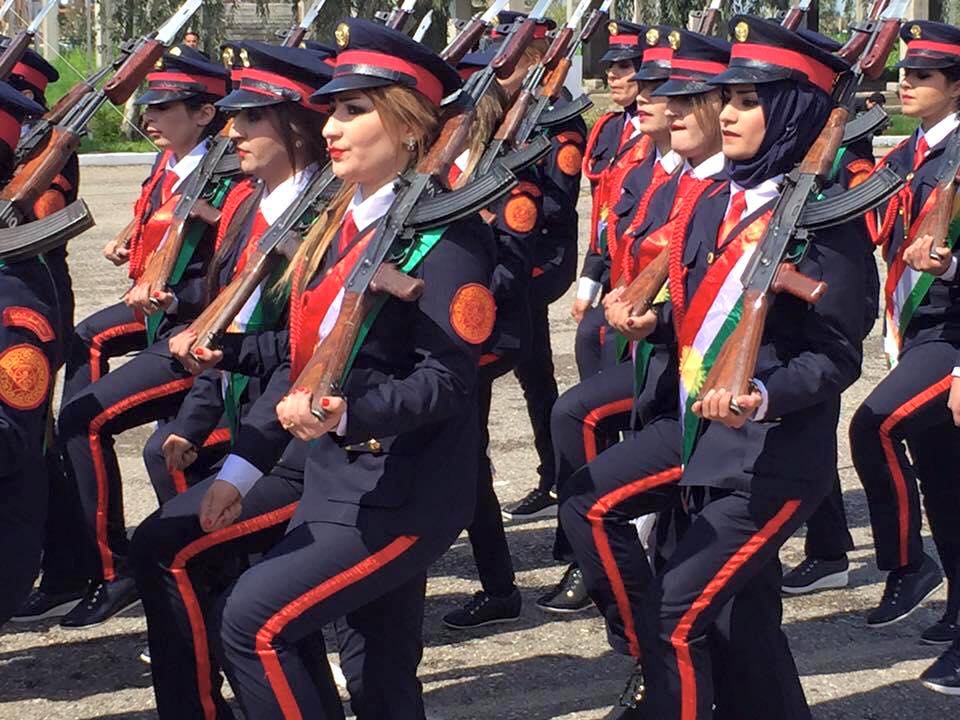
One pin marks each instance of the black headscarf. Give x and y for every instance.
(795, 113)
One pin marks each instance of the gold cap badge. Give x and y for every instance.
(244, 58)
(342, 34)
(612, 28)
(915, 31)
(741, 32)
(175, 50)
(674, 40)
(653, 36)
(226, 57)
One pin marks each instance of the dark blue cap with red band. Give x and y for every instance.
(696, 59)
(656, 54)
(930, 45)
(273, 74)
(14, 108)
(32, 72)
(327, 53)
(371, 55)
(626, 41)
(477, 60)
(185, 73)
(764, 52)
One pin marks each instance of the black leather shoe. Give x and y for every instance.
(41, 605)
(944, 675)
(942, 632)
(815, 574)
(568, 596)
(535, 504)
(101, 602)
(483, 609)
(904, 592)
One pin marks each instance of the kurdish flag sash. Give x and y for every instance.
(906, 288)
(710, 318)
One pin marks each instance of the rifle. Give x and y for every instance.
(16, 48)
(768, 271)
(471, 33)
(397, 18)
(280, 238)
(523, 116)
(295, 35)
(861, 32)
(796, 14)
(34, 175)
(707, 19)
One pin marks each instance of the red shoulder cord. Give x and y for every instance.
(625, 261)
(231, 204)
(139, 213)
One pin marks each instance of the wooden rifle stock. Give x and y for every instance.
(593, 23)
(644, 288)
(69, 101)
(708, 23)
(295, 37)
(512, 120)
(820, 157)
(793, 18)
(737, 360)
(936, 222)
(874, 62)
(558, 48)
(14, 53)
(465, 41)
(506, 61)
(134, 69)
(34, 176)
(557, 78)
(789, 281)
(450, 143)
(858, 41)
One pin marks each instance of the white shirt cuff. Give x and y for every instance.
(951, 272)
(956, 371)
(342, 425)
(761, 412)
(588, 289)
(239, 473)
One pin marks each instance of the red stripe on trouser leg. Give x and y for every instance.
(294, 609)
(218, 436)
(596, 515)
(680, 636)
(890, 454)
(97, 341)
(594, 417)
(198, 628)
(100, 469)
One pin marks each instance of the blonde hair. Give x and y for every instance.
(490, 112)
(706, 108)
(399, 108)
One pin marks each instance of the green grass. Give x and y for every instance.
(104, 128)
(901, 125)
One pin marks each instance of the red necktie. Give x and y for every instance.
(257, 228)
(166, 186)
(738, 204)
(348, 231)
(920, 152)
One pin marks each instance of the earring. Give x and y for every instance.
(410, 144)
(298, 144)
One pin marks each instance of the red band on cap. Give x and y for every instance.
(624, 39)
(946, 48)
(31, 75)
(9, 129)
(655, 54)
(817, 73)
(426, 83)
(169, 80)
(703, 66)
(255, 75)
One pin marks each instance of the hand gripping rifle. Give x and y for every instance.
(533, 101)
(707, 19)
(646, 286)
(34, 175)
(471, 32)
(18, 46)
(769, 269)
(942, 200)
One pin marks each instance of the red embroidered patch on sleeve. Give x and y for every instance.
(18, 316)
(520, 213)
(24, 377)
(473, 313)
(569, 159)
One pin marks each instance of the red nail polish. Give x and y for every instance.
(325, 402)
(156, 294)
(200, 352)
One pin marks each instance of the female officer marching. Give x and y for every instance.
(750, 480)
(922, 334)
(384, 494)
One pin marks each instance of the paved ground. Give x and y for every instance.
(538, 668)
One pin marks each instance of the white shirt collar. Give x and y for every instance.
(670, 161)
(760, 195)
(368, 211)
(939, 132)
(187, 164)
(713, 165)
(274, 203)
